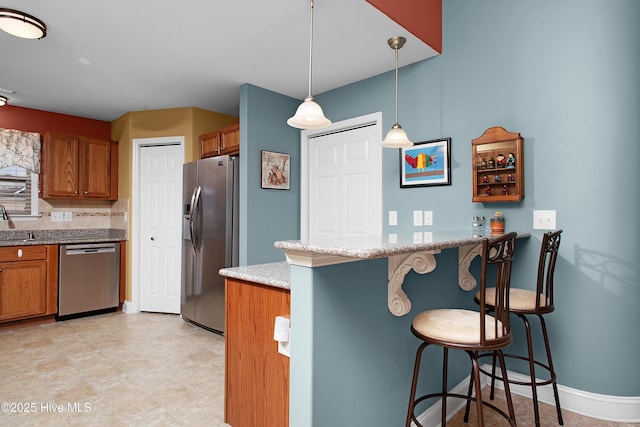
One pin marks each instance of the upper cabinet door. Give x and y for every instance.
(75, 167)
(220, 142)
(230, 139)
(96, 168)
(60, 172)
(210, 144)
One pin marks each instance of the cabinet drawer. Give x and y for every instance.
(22, 253)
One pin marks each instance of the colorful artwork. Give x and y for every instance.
(426, 163)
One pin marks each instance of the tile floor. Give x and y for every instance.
(129, 369)
(140, 370)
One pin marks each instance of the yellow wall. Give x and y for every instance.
(188, 122)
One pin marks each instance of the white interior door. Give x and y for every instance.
(344, 186)
(160, 227)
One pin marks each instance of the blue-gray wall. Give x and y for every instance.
(266, 215)
(566, 75)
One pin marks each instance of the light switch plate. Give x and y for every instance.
(428, 217)
(417, 218)
(68, 216)
(544, 220)
(57, 217)
(393, 217)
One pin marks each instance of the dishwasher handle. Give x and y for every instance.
(92, 248)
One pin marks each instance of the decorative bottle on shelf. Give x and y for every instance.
(497, 223)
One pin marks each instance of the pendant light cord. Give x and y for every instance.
(310, 47)
(396, 49)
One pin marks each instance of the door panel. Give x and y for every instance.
(344, 185)
(160, 230)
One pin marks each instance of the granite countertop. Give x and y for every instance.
(274, 274)
(319, 252)
(55, 237)
(370, 247)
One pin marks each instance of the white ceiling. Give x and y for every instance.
(102, 59)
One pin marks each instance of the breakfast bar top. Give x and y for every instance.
(370, 247)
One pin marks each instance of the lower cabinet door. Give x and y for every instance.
(23, 289)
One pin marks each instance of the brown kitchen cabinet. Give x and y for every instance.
(498, 166)
(28, 282)
(256, 375)
(79, 168)
(220, 142)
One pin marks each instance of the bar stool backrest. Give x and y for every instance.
(546, 270)
(497, 253)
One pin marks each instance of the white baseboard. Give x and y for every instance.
(619, 409)
(129, 307)
(600, 406)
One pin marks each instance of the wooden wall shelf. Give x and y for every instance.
(498, 166)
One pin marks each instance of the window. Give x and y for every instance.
(19, 191)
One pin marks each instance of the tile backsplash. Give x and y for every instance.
(73, 214)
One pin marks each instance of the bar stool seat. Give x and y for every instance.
(522, 300)
(472, 331)
(538, 302)
(455, 326)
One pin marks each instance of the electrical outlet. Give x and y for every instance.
(428, 217)
(417, 218)
(544, 220)
(57, 217)
(284, 348)
(393, 217)
(393, 238)
(68, 216)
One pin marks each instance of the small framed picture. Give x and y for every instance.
(275, 170)
(426, 163)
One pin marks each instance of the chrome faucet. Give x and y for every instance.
(5, 215)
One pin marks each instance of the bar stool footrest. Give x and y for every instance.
(551, 380)
(460, 396)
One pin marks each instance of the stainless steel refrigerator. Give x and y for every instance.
(209, 237)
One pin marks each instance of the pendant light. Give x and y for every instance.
(396, 137)
(309, 114)
(3, 101)
(21, 24)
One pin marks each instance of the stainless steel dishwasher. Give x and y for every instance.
(88, 279)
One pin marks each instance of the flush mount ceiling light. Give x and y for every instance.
(21, 24)
(309, 114)
(3, 101)
(396, 137)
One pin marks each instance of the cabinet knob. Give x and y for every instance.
(86, 192)
(0, 270)
(153, 238)
(75, 192)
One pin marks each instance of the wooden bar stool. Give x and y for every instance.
(529, 302)
(471, 331)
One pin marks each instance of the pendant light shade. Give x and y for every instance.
(21, 24)
(309, 114)
(396, 137)
(3, 101)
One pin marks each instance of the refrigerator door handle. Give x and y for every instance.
(195, 196)
(195, 219)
